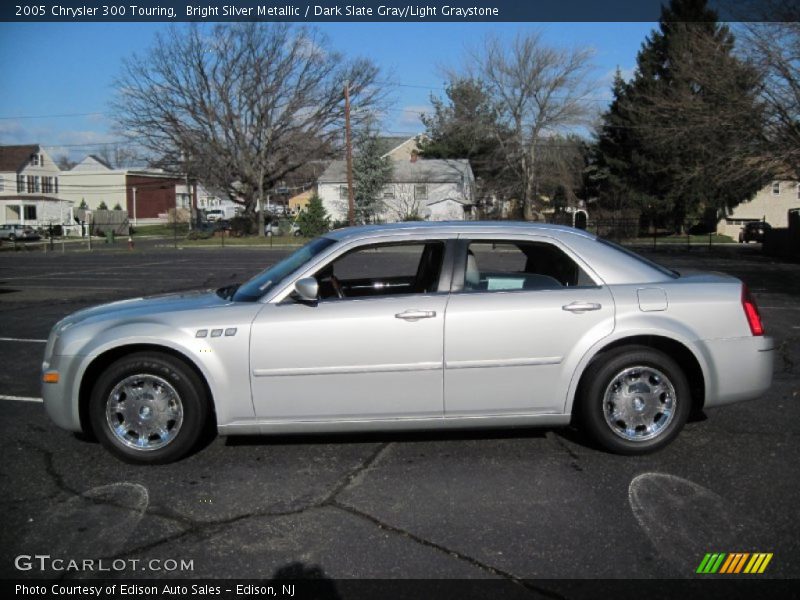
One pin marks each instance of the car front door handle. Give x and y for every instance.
(581, 307)
(415, 315)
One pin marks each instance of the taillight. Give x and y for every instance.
(751, 312)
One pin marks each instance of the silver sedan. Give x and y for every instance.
(415, 326)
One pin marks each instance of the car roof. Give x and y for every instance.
(445, 227)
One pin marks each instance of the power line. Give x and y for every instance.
(59, 116)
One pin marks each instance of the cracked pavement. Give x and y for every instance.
(515, 504)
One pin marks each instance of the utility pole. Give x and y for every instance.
(351, 206)
(189, 197)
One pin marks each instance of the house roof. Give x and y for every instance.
(13, 158)
(388, 143)
(421, 171)
(33, 198)
(96, 158)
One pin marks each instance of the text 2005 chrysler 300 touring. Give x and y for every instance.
(414, 326)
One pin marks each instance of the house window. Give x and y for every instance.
(776, 188)
(30, 184)
(30, 213)
(388, 193)
(20, 184)
(421, 191)
(35, 160)
(37, 184)
(2, 184)
(343, 195)
(47, 185)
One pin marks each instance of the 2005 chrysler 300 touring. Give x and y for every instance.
(414, 326)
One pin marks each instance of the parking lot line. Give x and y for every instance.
(95, 271)
(21, 398)
(8, 339)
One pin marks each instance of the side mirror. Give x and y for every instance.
(307, 289)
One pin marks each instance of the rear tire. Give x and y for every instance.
(149, 408)
(634, 400)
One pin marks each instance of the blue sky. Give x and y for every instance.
(68, 68)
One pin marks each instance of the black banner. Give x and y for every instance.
(711, 588)
(380, 10)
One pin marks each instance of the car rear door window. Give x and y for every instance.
(508, 265)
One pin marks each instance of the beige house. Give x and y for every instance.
(147, 194)
(298, 202)
(31, 189)
(770, 204)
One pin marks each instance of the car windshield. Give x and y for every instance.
(264, 281)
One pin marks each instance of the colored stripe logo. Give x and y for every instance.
(734, 563)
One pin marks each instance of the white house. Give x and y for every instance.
(770, 204)
(205, 198)
(31, 192)
(435, 190)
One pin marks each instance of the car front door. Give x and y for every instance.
(523, 307)
(370, 348)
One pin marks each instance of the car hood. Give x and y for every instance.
(135, 307)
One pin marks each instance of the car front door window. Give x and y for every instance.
(383, 270)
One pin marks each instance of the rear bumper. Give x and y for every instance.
(737, 369)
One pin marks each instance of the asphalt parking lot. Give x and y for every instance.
(521, 504)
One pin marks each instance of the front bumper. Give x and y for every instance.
(61, 400)
(738, 369)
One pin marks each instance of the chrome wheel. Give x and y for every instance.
(639, 403)
(144, 412)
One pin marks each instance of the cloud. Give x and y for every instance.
(12, 132)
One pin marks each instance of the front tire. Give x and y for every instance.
(149, 408)
(635, 400)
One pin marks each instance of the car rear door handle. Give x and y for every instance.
(580, 307)
(415, 315)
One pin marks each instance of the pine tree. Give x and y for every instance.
(677, 139)
(314, 220)
(371, 173)
(465, 125)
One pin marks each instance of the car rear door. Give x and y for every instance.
(520, 307)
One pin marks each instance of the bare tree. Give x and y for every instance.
(64, 162)
(120, 156)
(773, 48)
(538, 91)
(405, 205)
(244, 104)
